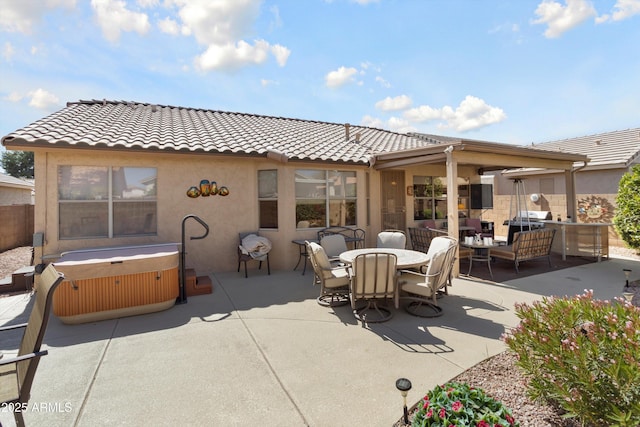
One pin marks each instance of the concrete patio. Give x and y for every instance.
(261, 351)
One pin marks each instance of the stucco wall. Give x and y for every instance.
(15, 196)
(226, 216)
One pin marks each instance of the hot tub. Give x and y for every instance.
(116, 282)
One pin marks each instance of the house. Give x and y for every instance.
(111, 173)
(15, 191)
(610, 154)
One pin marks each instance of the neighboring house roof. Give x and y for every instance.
(129, 125)
(10, 181)
(619, 149)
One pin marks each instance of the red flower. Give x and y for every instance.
(482, 424)
(456, 406)
(510, 419)
(429, 413)
(442, 413)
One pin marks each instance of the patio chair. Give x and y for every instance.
(373, 280)
(17, 373)
(252, 246)
(421, 237)
(422, 289)
(334, 245)
(439, 243)
(334, 281)
(395, 239)
(360, 236)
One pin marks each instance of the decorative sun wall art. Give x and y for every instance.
(595, 209)
(206, 189)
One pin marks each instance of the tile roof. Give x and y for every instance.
(120, 124)
(612, 149)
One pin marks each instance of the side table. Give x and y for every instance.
(481, 253)
(302, 252)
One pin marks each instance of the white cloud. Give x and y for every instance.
(218, 22)
(424, 113)
(626, 9)
(365, 2)
(114, 17)
(397, 124)
(281, 53)
(232, 56)
(383, 82)
(8, 51)
(42, 99)
(623, 9)
(14, 97)
(221, 26)
(401, 102)
(266, 82)
(148, 3)
(169, 26)
(472, 113)
(277, 20)
(372, 122)
(560, 19)
(340, 77)
(505, 28)
(20, 15)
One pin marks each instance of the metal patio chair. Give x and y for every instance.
(422, 288)
(17, 373)
(334, 281)
(373, 281)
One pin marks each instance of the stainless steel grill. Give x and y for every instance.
(526, 220)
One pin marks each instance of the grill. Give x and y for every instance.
(526, 220)
(534, 215)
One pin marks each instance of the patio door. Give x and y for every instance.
(393, 200)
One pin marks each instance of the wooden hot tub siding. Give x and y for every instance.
(106, 287)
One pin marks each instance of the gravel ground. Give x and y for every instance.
(14, 259)
(498, 375)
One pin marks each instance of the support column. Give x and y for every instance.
(452, 202)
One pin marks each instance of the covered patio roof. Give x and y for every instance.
(485, 156)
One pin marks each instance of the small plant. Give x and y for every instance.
(457, 404)
(582, 355)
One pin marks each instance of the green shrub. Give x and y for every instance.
(627, 217)
(582, 355)
(457, 404)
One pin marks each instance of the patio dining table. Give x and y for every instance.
(406, 258)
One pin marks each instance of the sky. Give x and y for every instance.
(509, 71)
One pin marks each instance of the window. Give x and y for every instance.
(430, 197)
(104, 202)
(268, 198)
(325, 198)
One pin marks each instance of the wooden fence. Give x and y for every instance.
(16, 226)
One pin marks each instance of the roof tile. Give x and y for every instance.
(612, 148)
(137, 125)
